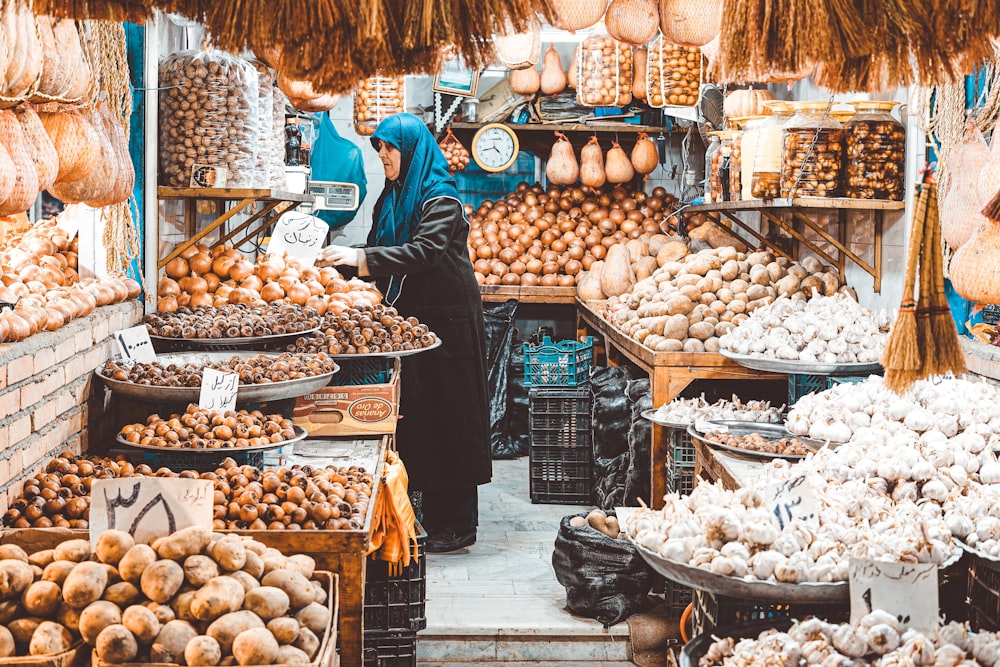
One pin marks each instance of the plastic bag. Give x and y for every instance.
(499, 320)
(610, 477)
(455, 153)
(277, 145)
(376, 98)
(334, 158)
(673, 74)
(518, 402)
(604, 72)
(209, 120)
(265, 115)
(640, 440)
(605, 578)
(611, 415)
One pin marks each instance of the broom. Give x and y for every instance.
(901, 357)
(948, 354)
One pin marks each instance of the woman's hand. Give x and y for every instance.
(338, 255)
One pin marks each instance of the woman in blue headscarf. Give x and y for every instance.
(418, 253)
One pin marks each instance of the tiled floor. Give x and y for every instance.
(498, 602)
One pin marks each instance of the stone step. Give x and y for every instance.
(507, 649)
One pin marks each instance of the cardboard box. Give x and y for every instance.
(350, 410)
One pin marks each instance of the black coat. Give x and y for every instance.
(443, 435)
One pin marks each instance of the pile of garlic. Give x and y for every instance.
(877, 641)
(692, 410)
(826, 329)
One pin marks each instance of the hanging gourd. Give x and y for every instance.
(644, 156)
(525, 81)
(577, 14)
(617, 167)
(690, 22)
(553, 80)
(592, 164)
(518, 50)
(562, 168)
(975, 268)
(632, 21)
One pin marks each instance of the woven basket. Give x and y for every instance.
(690, 22)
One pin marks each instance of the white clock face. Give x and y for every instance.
(495, 147)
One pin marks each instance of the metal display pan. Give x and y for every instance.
(242, 342)
(389, 355)
(769, 431)
(695, 650)
(978, 554)
(771, 365)
(300, 434)
(246, 393)
(651, 416)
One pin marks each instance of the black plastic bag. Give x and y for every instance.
(605, 578)
(640, 441)
(518, 404)
(610, 477)
(499, 320)
(611, 416)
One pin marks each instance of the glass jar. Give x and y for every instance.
(713, 165)
(604, 72)
(748, 153)
(874, 147)
(812, 153)
(731, 148)
(673, 74)
(766, 180)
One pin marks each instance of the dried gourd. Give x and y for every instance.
(43, 152)
(8, 173)
(77, 70)
(20, 85)
(562, 168)
(25, 189)
(100, 180)
(54, 82)
(124, 173)
(75, 142)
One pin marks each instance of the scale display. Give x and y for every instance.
(333, 196)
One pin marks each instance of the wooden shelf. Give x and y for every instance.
(232, 194)
(589, 128)
(538, 138)
(803, 211)
(554, 295)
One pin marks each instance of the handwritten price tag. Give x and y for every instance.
(69, 221)
(794, 499)
(134, 345)
(151, 507)
(218, 390)
(301, 236)
(908, 591)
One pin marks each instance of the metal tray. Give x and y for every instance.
(300, 434)
(771, 365)
(771, 591)
(977, 553)
(245, 342)
(273, 391)
(695, 650)
(651, 416)
(400, 353)
(769, 431)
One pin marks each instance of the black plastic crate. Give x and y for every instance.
(681, 481)
(984, 595)
(180, 459)
(680, 443)
(800, 385)
(377, 370)
(390, 649)
(677, 597)
(396, 603)
(561, 453)
(715, 611)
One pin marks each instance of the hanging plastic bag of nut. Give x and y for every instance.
(604, 72)
(209, 120)
(673, 74)
(265, 114)
(455, 153)
(376, 98)
(278, 180)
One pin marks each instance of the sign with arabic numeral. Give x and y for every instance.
(301, 236)
(135, 346)
(151, 507)
(793, 499)
(218, 390)
(908, 591)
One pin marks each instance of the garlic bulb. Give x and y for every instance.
(691, 410)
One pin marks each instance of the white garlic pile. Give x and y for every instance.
(692, 410)
(825, 329)
(876, 641)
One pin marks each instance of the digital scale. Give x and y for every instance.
(333, 196)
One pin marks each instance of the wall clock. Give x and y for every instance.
(495, 147)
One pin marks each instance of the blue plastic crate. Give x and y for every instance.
(567, 363)
(377, 370)
(800, 385)
(833, 381)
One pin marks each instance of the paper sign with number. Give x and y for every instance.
(218, 390)
(908, 591)
(135, 346)
(301, 236)
(793, 499)
(151, 507)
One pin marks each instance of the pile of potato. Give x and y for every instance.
(246, 498)
(194, 598)
(687, 305)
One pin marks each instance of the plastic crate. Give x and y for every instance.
(561, 458)
(396, 603)
(181, 460)
(564, 364)
(715, 611)
(681, 482)
(834, 380)
(682, 446)
(376, 370)
(800, 385)
(390, 649)
(984, 595)
(677, 598)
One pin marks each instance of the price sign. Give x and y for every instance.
(134, 345)
(301, 236)
(908, 591)
(218, 390)
(69, 221)
(793, 499)
(151, 507)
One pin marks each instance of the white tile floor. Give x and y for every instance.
(498, 602)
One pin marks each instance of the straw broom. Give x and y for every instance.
(948, 357)
(925, 335)
(901, 357)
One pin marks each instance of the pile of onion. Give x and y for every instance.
(38, 273)
(203, 276)
(548, 237)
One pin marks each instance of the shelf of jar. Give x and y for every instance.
(847, 203)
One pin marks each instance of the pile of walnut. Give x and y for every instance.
(192, 598)
(687, 305)
(256, 369)
(246, 498)
(371, 329)
(232, 321)
(210, 429)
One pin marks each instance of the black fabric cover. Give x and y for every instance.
(610, 411)
(605, 579)
(640, 440)
(517, 403)
(610, 476)
(499, 321)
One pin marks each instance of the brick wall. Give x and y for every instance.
(49, 398)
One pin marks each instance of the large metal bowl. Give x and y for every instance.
(222, 344)
(768, 431)
(772, 365)
(300, 434)
(398, 353)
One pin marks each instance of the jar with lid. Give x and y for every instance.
(812, 154)
(713, 164)
(673, 74)
(604, 72)
(731, 165)
(874, 147)
(748, 154)
(766, 179)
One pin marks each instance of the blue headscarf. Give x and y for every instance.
(423, 175)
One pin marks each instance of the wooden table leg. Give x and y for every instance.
(666, 383)
(352, 612)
